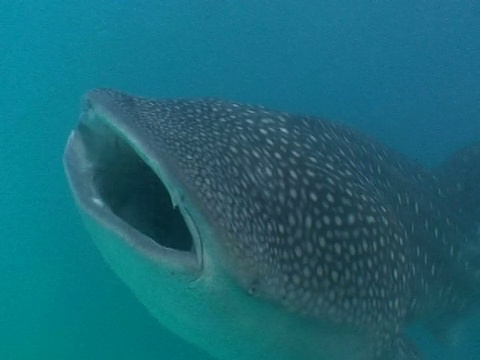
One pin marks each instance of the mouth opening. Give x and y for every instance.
(131, 189)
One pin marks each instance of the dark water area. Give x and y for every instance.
(407, 73)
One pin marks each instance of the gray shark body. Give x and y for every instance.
(256, 234)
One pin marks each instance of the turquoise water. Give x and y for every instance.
(408, 74)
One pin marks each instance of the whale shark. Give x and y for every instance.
(258, 234)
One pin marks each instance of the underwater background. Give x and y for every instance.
(406, 72)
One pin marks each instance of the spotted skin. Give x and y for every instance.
(313, 216)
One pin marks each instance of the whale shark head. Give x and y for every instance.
(255, 234)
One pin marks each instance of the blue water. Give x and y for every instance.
(407, 72)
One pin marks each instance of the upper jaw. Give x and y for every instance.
(129, 193)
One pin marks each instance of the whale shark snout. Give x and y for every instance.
(117, 187)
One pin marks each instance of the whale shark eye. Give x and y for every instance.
(132, 190)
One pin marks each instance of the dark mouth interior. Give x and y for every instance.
(133, 191)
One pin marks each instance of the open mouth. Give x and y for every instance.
(123, 184)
